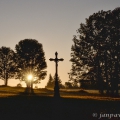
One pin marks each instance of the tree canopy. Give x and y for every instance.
(31, 60)
(7, 64)
(96, 52)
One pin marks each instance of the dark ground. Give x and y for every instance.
(34, 107)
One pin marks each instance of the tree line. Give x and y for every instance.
(28, 58)
(51, 83)
(95, 53)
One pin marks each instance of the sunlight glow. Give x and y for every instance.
(30, 77)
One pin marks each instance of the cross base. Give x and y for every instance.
(56, 90)
(56, 93)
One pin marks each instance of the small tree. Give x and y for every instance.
(68, 85)
(50, 83)
(7, 64)
(59, 82)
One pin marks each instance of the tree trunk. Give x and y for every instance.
(117, 78)
(6, 82)
(6, 79)
(106, 69)
(99, 77)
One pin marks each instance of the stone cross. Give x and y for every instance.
(56, 87)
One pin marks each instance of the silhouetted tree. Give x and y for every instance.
(59, 81)
(7, 64)
(97, 50)
(31, 60)
(68, 85)
(51, 82)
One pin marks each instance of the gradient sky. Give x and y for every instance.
(52, 22)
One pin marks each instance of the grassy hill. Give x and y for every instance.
(15, 105)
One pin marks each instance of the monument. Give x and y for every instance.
(56, 87)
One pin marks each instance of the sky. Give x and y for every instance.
(51, 22)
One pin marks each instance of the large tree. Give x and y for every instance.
(30, 60)
(97, 50)
(7, 64)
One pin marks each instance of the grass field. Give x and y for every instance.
(73, 105)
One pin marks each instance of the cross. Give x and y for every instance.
(56, 87)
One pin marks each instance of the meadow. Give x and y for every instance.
(15, 104)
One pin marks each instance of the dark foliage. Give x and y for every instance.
(7, 64)
(96, 53)
(30, 60)
(51, 82)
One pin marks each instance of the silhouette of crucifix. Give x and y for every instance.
(56, 87)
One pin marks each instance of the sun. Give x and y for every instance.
(30, 77)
